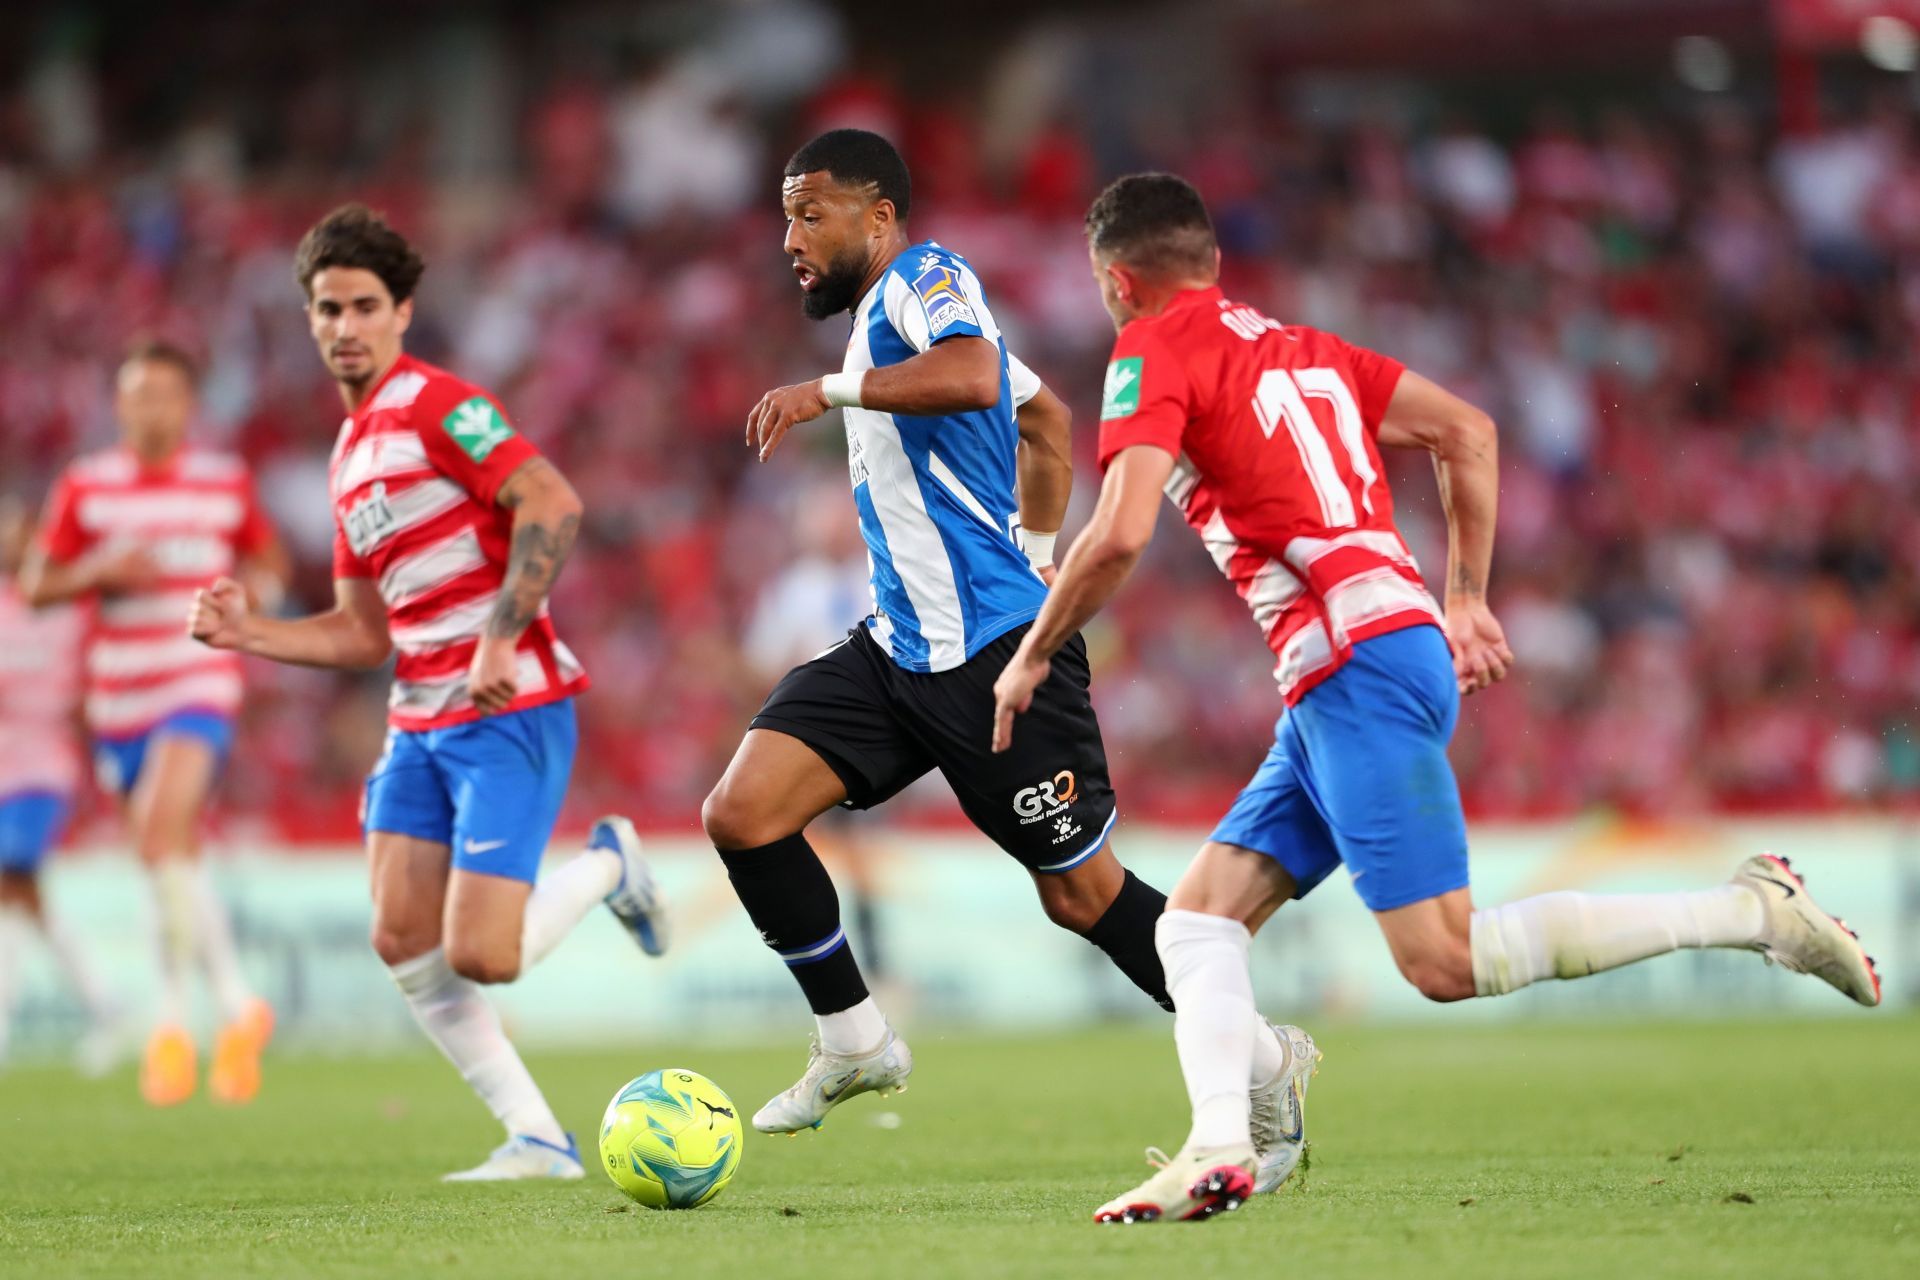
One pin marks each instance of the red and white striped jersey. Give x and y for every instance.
(1277, 468)
(413, 479)
(197, 516)
(39, 694)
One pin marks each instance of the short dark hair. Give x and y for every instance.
(152, 350)
(1156, 222)
(355, 236)
(857, 158)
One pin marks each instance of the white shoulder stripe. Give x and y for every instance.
(378, 457)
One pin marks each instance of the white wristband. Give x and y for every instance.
(843, 389)
(1038, 546)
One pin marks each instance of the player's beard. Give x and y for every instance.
(838, 288)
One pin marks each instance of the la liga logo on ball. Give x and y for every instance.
(671, 1139)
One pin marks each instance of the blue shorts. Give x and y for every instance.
(1359, 774)
(30, 825)
(491, 788)
(117, 761)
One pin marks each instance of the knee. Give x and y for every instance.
(477, 964)
(1442, 978)
(1069, 907)
(397, 946)
(731, 822)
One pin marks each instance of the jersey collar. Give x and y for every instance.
(1195, 298)
(400, 364)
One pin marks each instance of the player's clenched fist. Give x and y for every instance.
(780, 410)
(1480, 653)
(219, 615)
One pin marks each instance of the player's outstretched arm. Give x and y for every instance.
(1045, 469)
(351, 635)
(955, 375)
(546, 519)
(1466, 459)
(1097, 563)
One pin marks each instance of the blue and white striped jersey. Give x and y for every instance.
(936, 495)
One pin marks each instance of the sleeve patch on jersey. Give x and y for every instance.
(477, 427)
(1120, 397)
(939, 290)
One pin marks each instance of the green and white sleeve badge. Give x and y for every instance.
(1120, 397)
(477, 427)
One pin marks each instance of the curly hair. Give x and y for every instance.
(355, 236)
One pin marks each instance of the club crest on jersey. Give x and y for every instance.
(938, 288)
(476, 426)
(1120, 396)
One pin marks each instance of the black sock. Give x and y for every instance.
(790, 899)
(1125, 933)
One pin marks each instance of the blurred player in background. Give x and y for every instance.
(959, 459)
(450, 529)
(1267, 437)
(39, 773)
(134, 530)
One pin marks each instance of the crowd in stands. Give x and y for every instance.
(1696, 335)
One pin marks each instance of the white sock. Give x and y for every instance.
(174, 910)
(71, 955)
(561, 900)
(855, 1032)
(15, 928)
(1570, 935)
(213, 933)
(1214, 1021)
(457, 1017)
(1271, 1055)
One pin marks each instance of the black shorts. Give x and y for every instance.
(1046, 800)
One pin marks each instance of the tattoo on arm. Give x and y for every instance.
(540, 546)
(533, 563)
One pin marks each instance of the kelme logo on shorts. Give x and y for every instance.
(1121, 396)
(477, 427)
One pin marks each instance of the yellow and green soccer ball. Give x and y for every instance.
(671, 1139)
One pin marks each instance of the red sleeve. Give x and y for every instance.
(61, 535)
(469, 439)
(1374, 378)
(1147, 398)
(255, 533)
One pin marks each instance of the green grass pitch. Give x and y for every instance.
(1437, 1151)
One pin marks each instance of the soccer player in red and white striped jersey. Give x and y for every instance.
(450, 530)
(133, 531)
(39, 772)
(1267, 436)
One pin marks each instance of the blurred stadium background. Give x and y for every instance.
(1672, 245)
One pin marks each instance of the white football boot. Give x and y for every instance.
(831, 1079)
(520, 1158)
(1280, 1111)
(1800, 937)
(1191, 1186)
(637, 900)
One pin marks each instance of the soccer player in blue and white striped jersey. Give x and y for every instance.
(957, 455)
